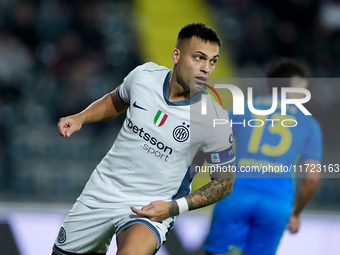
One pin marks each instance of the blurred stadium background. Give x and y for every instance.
(57, 56)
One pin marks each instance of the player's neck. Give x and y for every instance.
(177, 92)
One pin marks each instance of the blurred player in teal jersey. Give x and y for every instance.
(252, 219)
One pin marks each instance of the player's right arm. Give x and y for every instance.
(312, 157)
(103, 109)
(305, 194)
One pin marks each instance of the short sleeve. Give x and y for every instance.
(221, 158)
(124, 89)
(218, 147)
(236, 119)
(313, 146)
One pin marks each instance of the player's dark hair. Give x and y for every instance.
(201, 31)
(284, 68)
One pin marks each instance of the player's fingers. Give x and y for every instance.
(70, 130)
(62, 127)
(67, 127)
(147, 207)
(139, 212)
(134, 209)
(293, 230)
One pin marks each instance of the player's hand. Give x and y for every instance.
(155, 211)
(68, 125)
(293, 224)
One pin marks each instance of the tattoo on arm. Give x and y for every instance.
(210, 193)
(173, 209)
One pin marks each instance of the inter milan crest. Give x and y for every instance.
(62, 235)
(181, 133)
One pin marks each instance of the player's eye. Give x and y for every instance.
(198, 57)
(213, 62)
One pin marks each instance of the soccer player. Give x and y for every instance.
(144, 180)
(252, 219)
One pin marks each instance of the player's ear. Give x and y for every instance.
(175, 55)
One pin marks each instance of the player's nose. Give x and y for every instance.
(205, 68)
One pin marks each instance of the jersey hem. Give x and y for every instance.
(116, 205)
(120, 98)
(59, 251)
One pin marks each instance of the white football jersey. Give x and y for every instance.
(151, 157)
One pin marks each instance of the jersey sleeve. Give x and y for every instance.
(313, 146)
(237, 120)
(222, 158)
(124, 89)
(218, 148)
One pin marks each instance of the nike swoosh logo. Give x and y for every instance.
(137, 106)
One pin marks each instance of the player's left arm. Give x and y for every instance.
(212, 192)
(218, 152)
(305, 194)
(215, 190)
(219, 187)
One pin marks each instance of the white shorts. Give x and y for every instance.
(88, 229)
